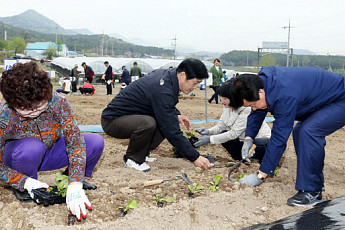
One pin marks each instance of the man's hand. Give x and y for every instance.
(203, 140)
(202, 162)
(184, 121)
(76, 200)
(202, 131)
(31, 184)
(247, 144)
(251, 180)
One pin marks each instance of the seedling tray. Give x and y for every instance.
(41, 196)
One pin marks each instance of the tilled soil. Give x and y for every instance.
(233, 206)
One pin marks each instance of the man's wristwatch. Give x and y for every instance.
(260, 176)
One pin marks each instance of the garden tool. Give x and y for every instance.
(155, 182)
(251, 154)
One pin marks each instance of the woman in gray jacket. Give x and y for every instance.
(230, 130)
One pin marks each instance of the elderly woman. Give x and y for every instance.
(230, 130)
(39, 132)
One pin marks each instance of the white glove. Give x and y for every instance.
(31, 184)
(202, 131)
(76, 200)
(251, 180)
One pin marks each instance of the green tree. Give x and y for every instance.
(4, 45)
(268, 60)
(50, 53)
(305, 60)
(59, 45)
(18, 45)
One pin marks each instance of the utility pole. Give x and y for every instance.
(55, 34)
(288, 49)
(102, 44)
(174, 45)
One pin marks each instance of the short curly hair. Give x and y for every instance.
(24, 86)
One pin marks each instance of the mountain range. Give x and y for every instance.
(34, 21)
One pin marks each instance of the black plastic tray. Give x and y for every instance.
(41, 196)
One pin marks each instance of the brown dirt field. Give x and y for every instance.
(234, 206)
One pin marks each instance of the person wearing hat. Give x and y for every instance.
(125, 75)
(74, 78)
(89, 73)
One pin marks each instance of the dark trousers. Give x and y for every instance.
(85, 90)
(309, 140)
(234, 148)
(89, 79)
(141, 130)
(109, 88)
(215, 95)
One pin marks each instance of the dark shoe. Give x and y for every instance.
(22, 196)
(209, 101)
(304, 198)
(89, 186)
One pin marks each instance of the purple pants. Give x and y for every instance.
(26, 155)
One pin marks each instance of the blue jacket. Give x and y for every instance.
(292, 93)
(154, 95)
(125, 75)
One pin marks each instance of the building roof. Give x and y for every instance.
(42, 46)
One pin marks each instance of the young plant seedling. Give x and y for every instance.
(241, 176)
(214, 185)
(276, 171)
(195, 189)
(61, 182)
(160, 200)
(131, 205)
(192, 139)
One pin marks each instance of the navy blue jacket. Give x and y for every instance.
(292, 93)
(154, 95)
(125, 75)
(89, 72)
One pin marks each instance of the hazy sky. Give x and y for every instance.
(219, 26)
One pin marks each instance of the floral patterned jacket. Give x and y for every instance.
(57, 120)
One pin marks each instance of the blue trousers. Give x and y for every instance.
(309, 140)
(28, 155)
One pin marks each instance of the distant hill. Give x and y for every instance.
(82, 31)
(34, 21)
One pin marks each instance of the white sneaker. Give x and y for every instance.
(142, 167)
(150, 159)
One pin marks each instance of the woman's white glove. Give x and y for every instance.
(76, 200)
(31, 184)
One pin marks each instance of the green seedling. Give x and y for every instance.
(160, 200)
(192, 139)
(61, 182)
(131, 205)
(276, 171)
(214, 185)
(195, 189)
(241, 176)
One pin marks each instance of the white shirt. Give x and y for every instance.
(235, 121)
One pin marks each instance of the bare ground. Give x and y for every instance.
(233, 206)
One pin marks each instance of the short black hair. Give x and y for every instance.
(193, 68)
(83, 63)
(225, 91)
(135, 63)
(217, 59)
(106, 62)
(247, 86)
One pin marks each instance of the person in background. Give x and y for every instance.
(108, 77)
(135, 70)
(74, 78)
(87, 89)
(316, 99)
(217, 74)
(125, 75)
(224, 78)
(145, 113)
(66, 86)
(229, 131)
(39, 132)
(89, 73)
